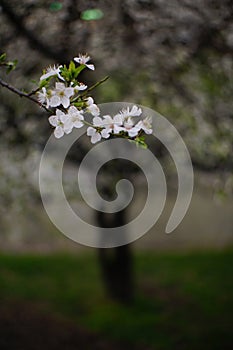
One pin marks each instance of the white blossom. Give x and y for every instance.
(80, 87)
(128, 123)
(95, 135)
(61, 95)
(52, 71)
(83, 59)
(98, 130)
(129, 127)
(75, 117)
(112, 125)
(145, 125)
(92, 107)
(61, 123)
(133, 131)
(134, 112)
(98, 122)
(43, 97)
(105, 133)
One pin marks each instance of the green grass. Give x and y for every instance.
(183, 301)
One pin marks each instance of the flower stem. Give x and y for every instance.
(91, 88)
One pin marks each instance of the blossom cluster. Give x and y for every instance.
(122, 124)
(61, 89)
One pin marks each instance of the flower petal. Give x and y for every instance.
(90, 101)
(135, 111)
(105, 133)
(90, 131)
(97, 121)
(118, 119)
(93, 109)
(54, 101)
(69, 91)
(107, 120)
(65, 101)
(60, 86)
(80, 87)
(133, 132)
(77, 124)
(118, 129)
(90, 66)
(60, 114)
(95, 138)
(68, 127)
(58, 132)
(53, 120)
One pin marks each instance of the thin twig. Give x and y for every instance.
(91, 88)
(22, 94)
(33, 92)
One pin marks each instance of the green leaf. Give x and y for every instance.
(3, 57)
(92, 15)
(79, 70)
(71, 73)
(55, 6)
(71, 67)
(43, 83)
(11, 65)
(65, 73)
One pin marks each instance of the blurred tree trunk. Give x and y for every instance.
(116, 263)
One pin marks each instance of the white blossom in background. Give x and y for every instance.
(75, 117)
(52, 71)
(61, 95)
(83, 59)
(92, 107)
(61, 122)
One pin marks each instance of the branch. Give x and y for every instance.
(22, 94)
(93, 86)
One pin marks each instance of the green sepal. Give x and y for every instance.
(79, 105)
(140, 142)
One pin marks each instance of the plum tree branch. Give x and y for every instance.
(22, 94)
